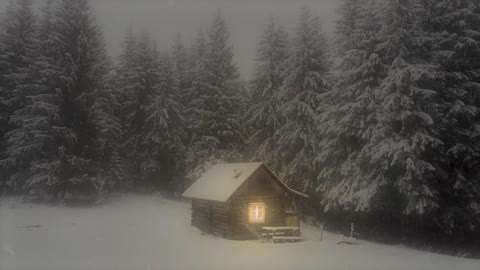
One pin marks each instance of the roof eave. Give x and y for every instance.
(283, 185)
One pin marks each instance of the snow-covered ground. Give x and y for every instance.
(135, 232)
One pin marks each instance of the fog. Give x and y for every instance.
(163, 19)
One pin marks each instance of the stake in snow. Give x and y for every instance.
(244, 201)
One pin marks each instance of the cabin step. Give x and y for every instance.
(277, 239)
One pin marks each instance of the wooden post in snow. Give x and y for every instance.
(321, 232)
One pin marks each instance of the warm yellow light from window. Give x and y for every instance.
(256, 212)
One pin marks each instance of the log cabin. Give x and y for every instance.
(236, 201)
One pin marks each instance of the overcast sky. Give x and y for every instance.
(163, 19)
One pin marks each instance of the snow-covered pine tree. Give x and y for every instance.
(125, 76)
(263, 118)
(301, 93)
(403, 153)
(184, 60)
(109, 164)
(166, 130)
(44, 110)
(5, 110)
(457, 50)
(126, 81)
(64, 125)
(217, 105)
(6, 63)
(19, 82)
(195, 76)
(182, 63)
(180, 55)
(348, 123)
(72, 65)
(138, 76)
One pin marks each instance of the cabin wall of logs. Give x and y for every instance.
(230, 219)
(211, 217)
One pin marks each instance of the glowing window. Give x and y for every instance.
(256, 212)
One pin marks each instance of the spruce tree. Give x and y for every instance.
(399, 135)
(19, 85)
(73, 34)
(126, 83)
(109, 165)
(217, 105)
(7, 48)
(455, 25)
(46, 164)
(182, 63)
(5, 110)
(403, 153)
(195, 75)
(73, 74)
(307, 70)
(264, 118)
(140, 76)
(350, 120)
(166, 129)
(125, 75)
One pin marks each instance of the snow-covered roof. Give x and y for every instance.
(220, 181)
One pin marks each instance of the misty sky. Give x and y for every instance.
(163, 19)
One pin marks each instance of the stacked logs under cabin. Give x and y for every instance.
(239, 200)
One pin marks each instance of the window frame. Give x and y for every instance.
(251, 215)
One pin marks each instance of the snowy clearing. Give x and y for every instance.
(139, 232)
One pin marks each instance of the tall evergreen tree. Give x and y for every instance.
(350, 120)
(126, 83)
(125, 75)
(217, 105)
(73, 74)
(166, 127)
(109, 165)
(7, 47)
(5, 111)
(402, 154)
(306, 82)
(264, 118)
(196, 75)
(182, 61)
(455, 25)
(75, 36)
(399, 135)
(140, 74)
(18, 51)
(44, 110)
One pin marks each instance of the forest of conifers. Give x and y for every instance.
(379, 123)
